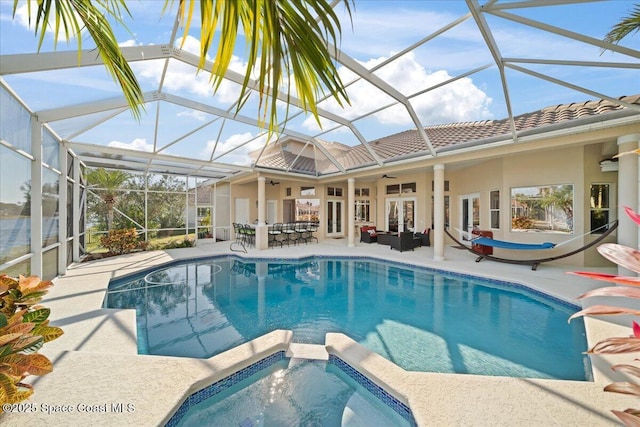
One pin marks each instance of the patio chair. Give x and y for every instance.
(312, 227)
(250, 234)
(275, 233)
(405, 241)
(368, 234)
(303, 233)
(289, 231)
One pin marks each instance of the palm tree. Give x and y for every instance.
(625, 27)
(109, 182)
(286, 40)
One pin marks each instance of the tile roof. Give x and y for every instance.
(410, 143)
(448, 135)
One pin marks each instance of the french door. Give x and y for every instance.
(401, 214)
(272, 211)
(469, 213)
(242, 210)
(334, 217)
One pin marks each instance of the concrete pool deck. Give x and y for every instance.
(99, 378)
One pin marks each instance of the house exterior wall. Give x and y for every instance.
(571, 158)
(578, 165)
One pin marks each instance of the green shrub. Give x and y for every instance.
(175, 244)
(122, 241)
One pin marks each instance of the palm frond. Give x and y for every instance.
(286, 40)
(625, 27)
(72, 16)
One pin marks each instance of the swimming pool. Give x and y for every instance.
(419, 318)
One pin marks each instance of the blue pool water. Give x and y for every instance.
(420, 319)
(295, 393)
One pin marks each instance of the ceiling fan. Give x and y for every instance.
(272, 182)
(388, 176)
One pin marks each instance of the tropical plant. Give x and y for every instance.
(286, 40)
(24, 328)
(630, 259)
(107, 183)
(625, 27)
(119, 242)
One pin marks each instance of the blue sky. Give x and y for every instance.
(380, 30)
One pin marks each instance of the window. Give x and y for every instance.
(307, 210)
(600, 205)
(494, 208)
(307, 191)
(544, 208)
(409, 187)
(363, 210)
(334, 191)
(362, 192)
(288, 191)
(362, 205)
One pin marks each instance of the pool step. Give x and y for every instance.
(307, 351)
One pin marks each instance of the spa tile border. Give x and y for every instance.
(222, 385)
(380, 393)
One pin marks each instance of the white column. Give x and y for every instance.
(438, 212)
(214, 214)
(262, 237)
(77, 203)
(351, 211)
(262, 200)
(62, 211)
(36, 197)
(628, 187)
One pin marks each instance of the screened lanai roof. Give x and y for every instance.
(423, 77)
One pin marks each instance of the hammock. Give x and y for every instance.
(486, 241)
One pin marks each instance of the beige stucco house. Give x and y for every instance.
(479, 169)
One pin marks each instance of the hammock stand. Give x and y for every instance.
(532, 262)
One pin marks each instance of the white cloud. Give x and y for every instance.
(457, 101)
(196, 114)
(239, 156)
(181, 77)
(128, 43)
(139, 144)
